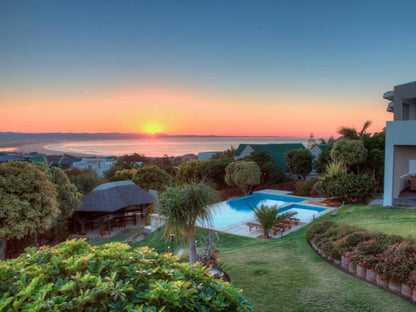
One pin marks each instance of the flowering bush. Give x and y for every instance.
(388, 255)
(349, 242)
(398, 262)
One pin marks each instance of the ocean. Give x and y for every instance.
(157, 147)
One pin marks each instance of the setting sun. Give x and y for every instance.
(152, 128)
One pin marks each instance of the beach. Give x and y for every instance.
(155, 147)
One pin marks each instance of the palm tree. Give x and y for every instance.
(267, 216)
(182, 207)
(353, 134)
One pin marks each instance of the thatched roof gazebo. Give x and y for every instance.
(113, 203)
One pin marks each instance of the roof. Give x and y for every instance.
(240, 149)
(113, 196)
(6, 158)
(277, 151)
(323, 147)
(37, 159)
(69, 160)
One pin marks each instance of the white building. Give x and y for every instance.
(400, 152)
(99, 165)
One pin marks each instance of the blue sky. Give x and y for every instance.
(273, 52)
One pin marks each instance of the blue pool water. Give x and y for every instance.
(237, 210)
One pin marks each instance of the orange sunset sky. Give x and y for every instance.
(266, 68)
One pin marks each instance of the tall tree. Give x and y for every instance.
(67, 200)
(182, 207)
(352, 134)
(28, 201)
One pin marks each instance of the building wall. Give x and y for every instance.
(400, 149)
(404, 102)
(99, 165)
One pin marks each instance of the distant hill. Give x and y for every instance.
(68, 136)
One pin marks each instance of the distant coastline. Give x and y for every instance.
(116, 144)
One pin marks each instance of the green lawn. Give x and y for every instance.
(286, 274)
(400, 221)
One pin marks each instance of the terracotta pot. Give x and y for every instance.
(381, 281)
(406, 290)
(394, 286)
(370, 275)
(352, 267)
(344, 262)
(361, 271)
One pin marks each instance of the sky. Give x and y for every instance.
(287, 68)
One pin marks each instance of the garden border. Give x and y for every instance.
(347, 268)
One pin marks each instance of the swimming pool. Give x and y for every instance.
(237, 210)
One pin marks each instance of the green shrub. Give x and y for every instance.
(350, 188)
(326, 241)
(75, 276)
(318, 228)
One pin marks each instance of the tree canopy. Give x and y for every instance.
(299, 161)
(84, 179)
(243, 174)
(190, 171)
(269, 171)
(152, 178)
(28, 201)
(349, 152)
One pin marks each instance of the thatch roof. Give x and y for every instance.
(110, 197)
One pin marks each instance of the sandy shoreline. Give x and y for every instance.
(38, 147)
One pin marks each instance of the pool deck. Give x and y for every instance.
(242, 229)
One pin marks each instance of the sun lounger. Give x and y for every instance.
(253, 225)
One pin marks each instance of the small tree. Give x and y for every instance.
(84, 179)
(214, 171)
(243, 174)
(190, 171)
(124, 174)
(349, 152)
(299, 161)
(28, 201)
(152, 178)
(182, 207)
(269, 171)
(267, 216)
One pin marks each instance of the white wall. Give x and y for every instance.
(400, 149)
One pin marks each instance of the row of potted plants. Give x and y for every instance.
(387, 260)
